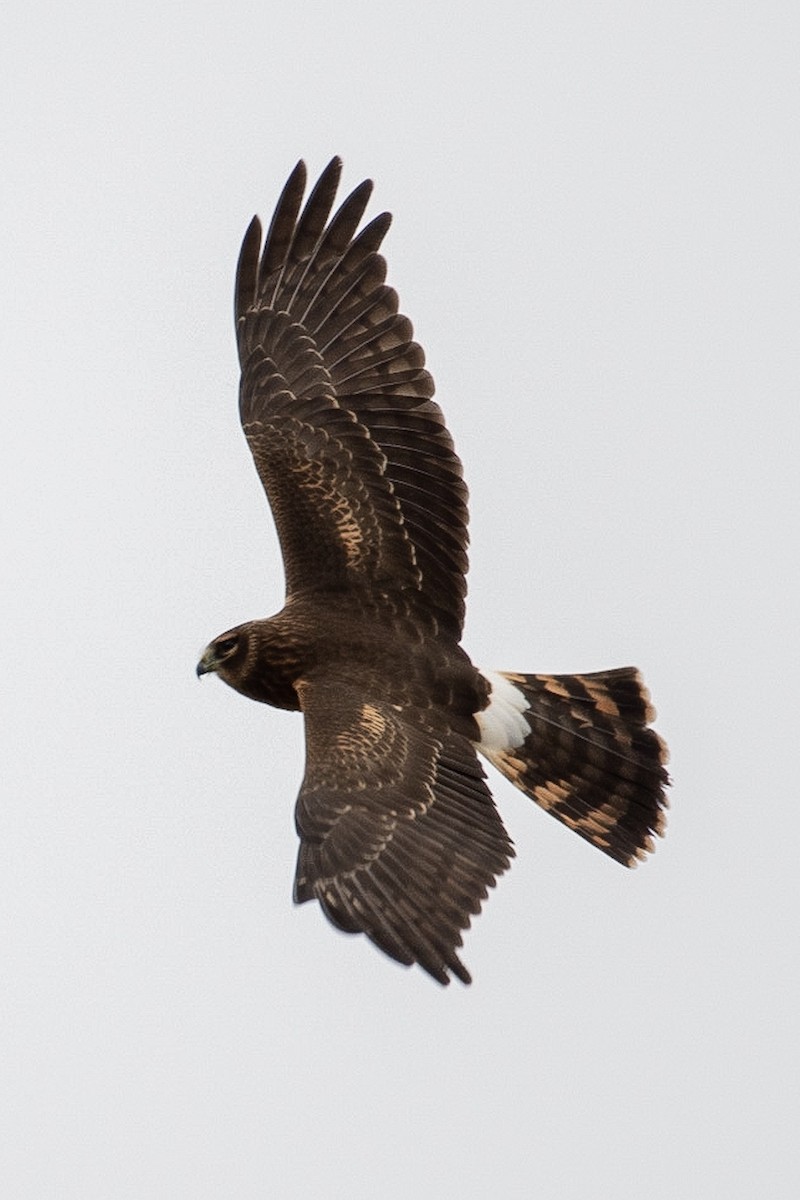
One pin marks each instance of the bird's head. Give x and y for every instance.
(257, 659)
(226, 655)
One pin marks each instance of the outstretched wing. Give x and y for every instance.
(359, 468)
(400, 838)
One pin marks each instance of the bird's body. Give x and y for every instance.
(382, 649)
(400, 838)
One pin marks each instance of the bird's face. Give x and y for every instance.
(221, 655)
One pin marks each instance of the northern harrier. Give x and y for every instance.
(399, 836)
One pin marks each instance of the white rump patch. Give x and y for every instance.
(502, 724)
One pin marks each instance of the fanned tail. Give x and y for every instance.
(580, 746)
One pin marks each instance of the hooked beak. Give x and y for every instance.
(206, 664)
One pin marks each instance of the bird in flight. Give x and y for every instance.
(400, 838)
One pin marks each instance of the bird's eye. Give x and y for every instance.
(227, 646)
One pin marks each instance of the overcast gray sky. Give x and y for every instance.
(596, 236)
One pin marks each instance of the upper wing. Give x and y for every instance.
(355, 458)
(400, 838)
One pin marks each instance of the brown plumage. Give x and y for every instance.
(399, 836)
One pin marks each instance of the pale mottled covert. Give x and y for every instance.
(399, 836)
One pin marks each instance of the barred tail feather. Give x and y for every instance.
(580, 746)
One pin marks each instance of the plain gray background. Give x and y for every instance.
(596, 235)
